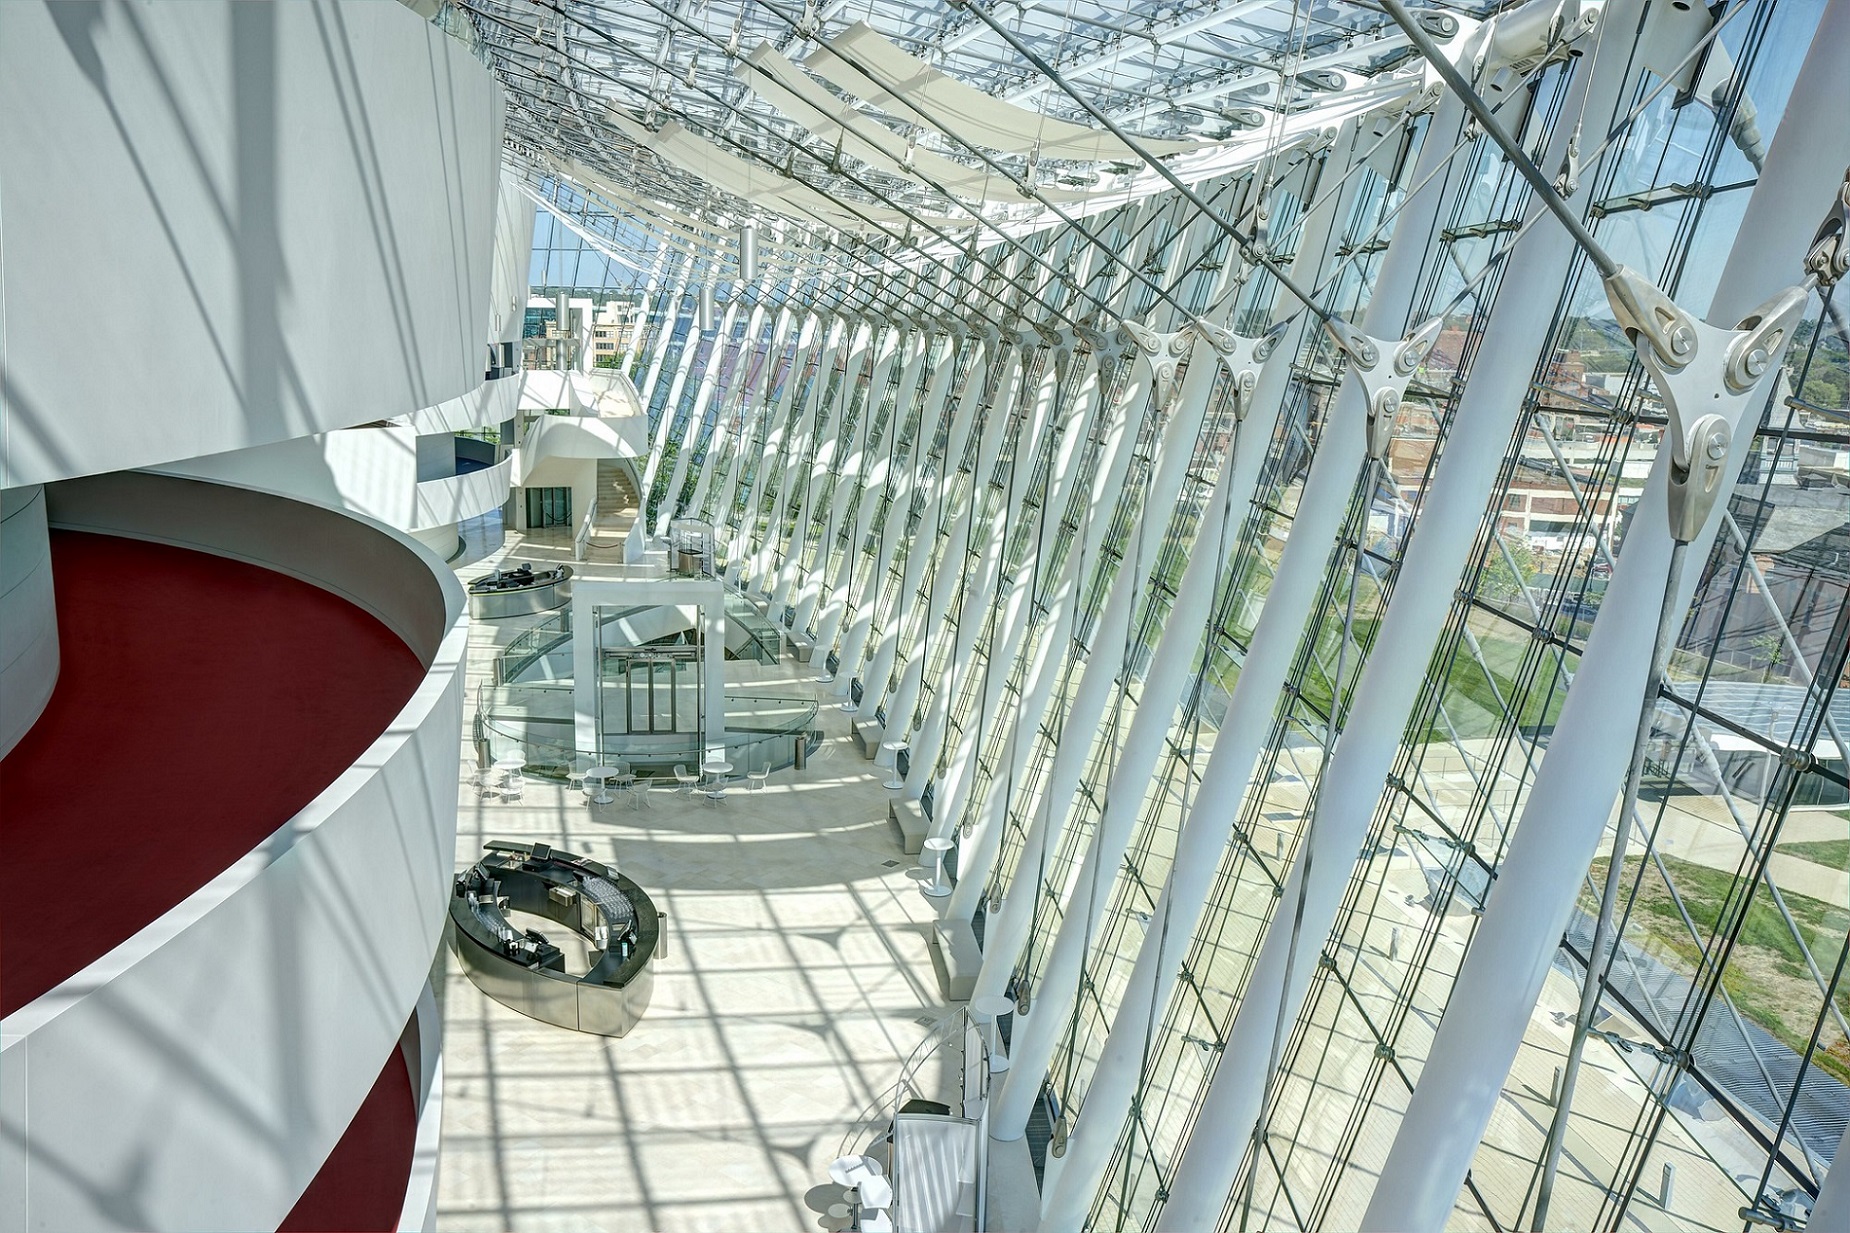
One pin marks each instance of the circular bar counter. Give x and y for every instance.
(522, 970)
(522, 591)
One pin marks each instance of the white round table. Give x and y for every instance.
(601, 776)
(851, 1171)
(937, 846)
(991, 1007)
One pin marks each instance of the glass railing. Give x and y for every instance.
(750, 637)
(764, 732)
(763, 641)
(519, 656)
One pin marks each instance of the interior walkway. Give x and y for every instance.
(797, 980)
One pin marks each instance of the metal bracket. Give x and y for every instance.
(1708, 378)
(1242, 357)
(1162, 352)
(1103, 342)
(1385, 369)
(1829, 257)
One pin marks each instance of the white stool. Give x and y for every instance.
(891, 749)
(939, 888)
(991, 1008)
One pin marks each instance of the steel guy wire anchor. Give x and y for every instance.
(1385, 369)
(1829, 257)
(1708, 378)
(1242, 357)
(1162, 352)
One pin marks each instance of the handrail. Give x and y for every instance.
(581, 542)
(884, 1107)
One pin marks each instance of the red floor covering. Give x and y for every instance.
(200, 704)
(361, 1186)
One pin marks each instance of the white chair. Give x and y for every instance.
(511, 790)
(755, 780)
(576, 781)
(684, 781)
(876, 1197)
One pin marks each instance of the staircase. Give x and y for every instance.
(616, 494)
(616, 505)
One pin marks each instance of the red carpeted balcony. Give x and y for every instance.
(229, 839)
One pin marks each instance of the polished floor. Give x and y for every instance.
(796, 983)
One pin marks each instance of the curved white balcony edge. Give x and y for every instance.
(234, 1037)
(28, 616)
(451, 499)
(423, 1049)
(487, 405)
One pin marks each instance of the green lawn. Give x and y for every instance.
(1766, 976)
(1831, 853)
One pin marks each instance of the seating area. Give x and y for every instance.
(505, 779)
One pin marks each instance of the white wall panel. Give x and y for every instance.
(28, 617)
(230, 224)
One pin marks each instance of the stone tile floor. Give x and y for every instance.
(797, 981)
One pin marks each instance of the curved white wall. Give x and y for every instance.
(228, 224)
(488, 405)
(513, 255)
(451, 499)
(196, 1076)
(28, 614)
(373, 472)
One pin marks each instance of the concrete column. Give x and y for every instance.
(978, 853)
(1010, 622)
(1350, 785)
(1037, 1033)
(758, 405)
(695, 429)
(1248, 722)
(667, 312)
(1832, 1208)
(664, 427)
(857, 501)
(953, 565)
(713, 672)
(878, 676)
(798, 560)
(747, 567)
(821, 453)
(1570, 806)
(628, 358)
(729, 398)
(894, 479)
(765, 567)
(1007, 932)
(899, 701)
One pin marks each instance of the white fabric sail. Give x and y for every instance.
(862, 62)
(787, 88)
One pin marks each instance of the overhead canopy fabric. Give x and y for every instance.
(762, 185)
(787, 88)
(863, 63)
